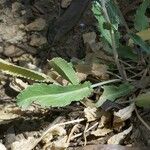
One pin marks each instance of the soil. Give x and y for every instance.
(23, 29)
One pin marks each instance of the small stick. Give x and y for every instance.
(140, 118)
(84, 133)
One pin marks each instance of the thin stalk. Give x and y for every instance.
(114, 47)
(105, 82)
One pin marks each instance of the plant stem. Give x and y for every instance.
(114, 47)
(105, 82)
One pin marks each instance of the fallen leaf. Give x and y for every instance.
(101, 132)
(60, 144)
(118, 124)
(18, 85)
(117, 138)
(9, 112)
(24, 144)
(90, 113)
(94, 69)
(106, 119)
(55, 131)
(125, 113)
(99, 70)
(110, 147)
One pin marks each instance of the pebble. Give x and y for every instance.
(12, 51)
(37, 25)
(37, 40)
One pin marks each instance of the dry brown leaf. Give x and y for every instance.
(90, 113)
(9, 112)
(118, 124)
(23, 144)
(99, 70)
(125, 113)
(95, 69)
(110, 147)
(117, 138)
(105, 119)
(55, 131)
(60, 144)
(18, 85)
(81, 76)
(101, 132)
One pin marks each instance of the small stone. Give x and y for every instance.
(37, 40)
(37, 25)
(12, 33)
(65, 3)
(12, 51)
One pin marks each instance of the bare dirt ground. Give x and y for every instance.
(23, 28)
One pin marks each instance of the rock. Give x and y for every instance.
(12, 51)
(11, 33)
(65, 3)
(37, 40)
(37, 25)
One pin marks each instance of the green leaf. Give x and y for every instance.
(113, 92)
(137, 40)
(102, 22)
(53, 95)
(141, 21)
(96, 8)
(18, 71)
(114, 13)
(143, 100)
(126, 52)
(64, 69)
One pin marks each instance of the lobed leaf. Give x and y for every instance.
(64, 69)
(18, 71)
(53, 95)
(112, 92)
(141, 21)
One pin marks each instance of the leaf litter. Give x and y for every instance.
(100, 123)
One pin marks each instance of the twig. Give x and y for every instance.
(90, 128)
(71, 133)
(84, 133)
(51, 126)
(140, 118)
(113, 74)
